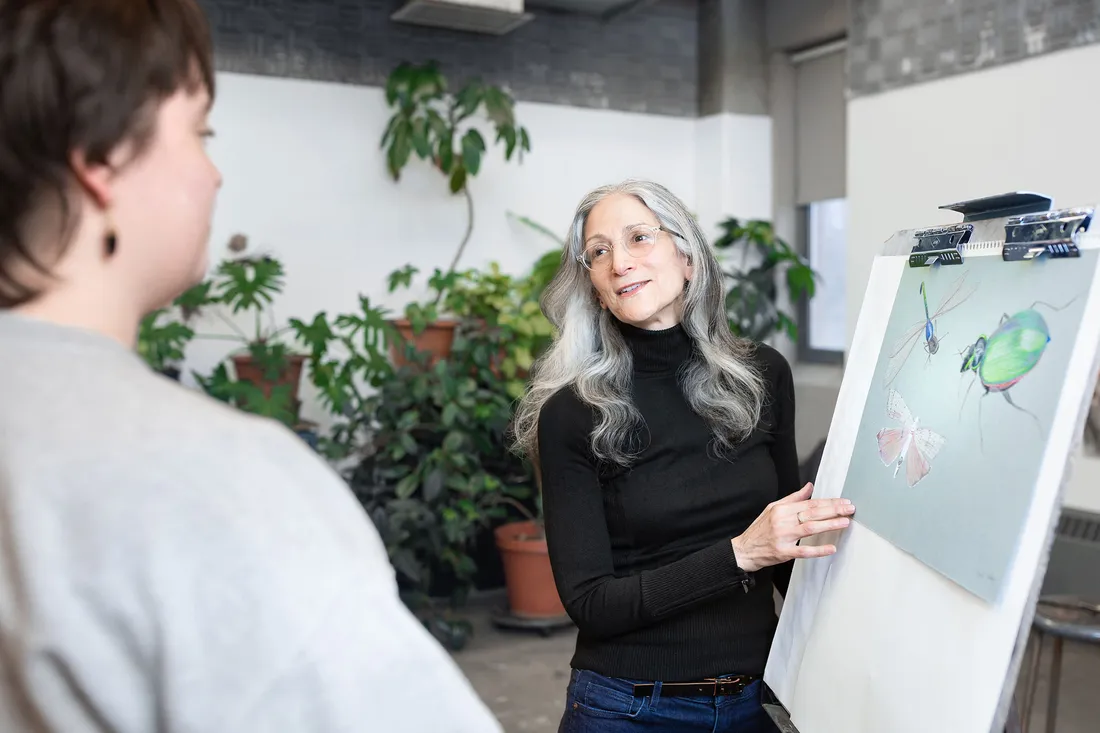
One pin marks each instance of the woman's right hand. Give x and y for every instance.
(773, 537)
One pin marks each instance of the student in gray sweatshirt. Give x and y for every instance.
(166, 563)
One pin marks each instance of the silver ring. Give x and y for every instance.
(800, 519)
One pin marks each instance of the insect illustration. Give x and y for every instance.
(955, 295)
(910, 445)
(1006, 356)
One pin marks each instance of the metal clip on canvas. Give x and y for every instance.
(940, 245)
(1052, 233)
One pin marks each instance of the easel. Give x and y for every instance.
(1031, 229)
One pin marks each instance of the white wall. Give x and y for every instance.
(1013, 127)
(734, 167)
(305, 179)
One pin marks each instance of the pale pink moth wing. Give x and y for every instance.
(890, 441)
(926, 444)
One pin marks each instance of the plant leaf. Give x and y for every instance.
(458, 179)
(406, 487)
(454, 441)
(473, 145)
(433, 485)
(420, 139)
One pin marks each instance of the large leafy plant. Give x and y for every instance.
(752, 300)
(440, 469)
(437, 124)
(348, 359)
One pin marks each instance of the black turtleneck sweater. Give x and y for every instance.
(642, 556)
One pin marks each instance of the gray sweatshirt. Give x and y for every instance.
(168, 563)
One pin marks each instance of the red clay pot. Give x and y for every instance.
(527, 573)
(436, 339)
(247, 371)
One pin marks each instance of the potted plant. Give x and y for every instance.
(267, 371)
(436, 124)
(529, 578)
(432, 480)
(422, 330)
(752, 301)
(509, 331)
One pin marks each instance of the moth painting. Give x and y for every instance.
(909, 445)
(947, 453)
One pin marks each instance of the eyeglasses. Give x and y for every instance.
(637, 242)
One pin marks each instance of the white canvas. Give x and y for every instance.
(873, 639)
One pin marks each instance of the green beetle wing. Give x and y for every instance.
(1014, 349)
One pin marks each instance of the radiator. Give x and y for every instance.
(1074, 567)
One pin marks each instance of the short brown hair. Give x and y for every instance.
(82, 75)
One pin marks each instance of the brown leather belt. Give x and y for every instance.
(706, 688)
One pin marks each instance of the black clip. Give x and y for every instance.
(1053, 233)
(940, 245)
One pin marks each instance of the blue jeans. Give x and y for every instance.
(598, 704)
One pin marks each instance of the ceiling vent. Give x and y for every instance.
(495, 17)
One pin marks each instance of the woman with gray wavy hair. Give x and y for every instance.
(669, 474)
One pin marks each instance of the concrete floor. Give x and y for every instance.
(522, 677)
(1078, 709)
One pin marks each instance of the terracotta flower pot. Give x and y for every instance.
(527, 573)
(249, 371)
(436, 340)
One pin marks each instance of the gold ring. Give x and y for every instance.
(800, 519)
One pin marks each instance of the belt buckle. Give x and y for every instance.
(729, 685)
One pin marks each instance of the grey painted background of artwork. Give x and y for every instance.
(964, 519)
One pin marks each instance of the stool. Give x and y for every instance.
(1060, 618)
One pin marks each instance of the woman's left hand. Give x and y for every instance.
(773, 537)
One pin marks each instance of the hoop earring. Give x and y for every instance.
(110, 239)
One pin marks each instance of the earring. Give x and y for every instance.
(110, 239)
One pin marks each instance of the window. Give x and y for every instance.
(822, 319)
(820, 113)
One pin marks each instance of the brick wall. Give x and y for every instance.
(644, 61)
(894, 43)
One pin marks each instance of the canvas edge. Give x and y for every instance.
(900, 244)
(1012, 676)
(781, 677)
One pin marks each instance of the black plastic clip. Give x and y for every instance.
(1053, 233)
(940, 245)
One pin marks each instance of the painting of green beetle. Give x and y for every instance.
(1001, 359)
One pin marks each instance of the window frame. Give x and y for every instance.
(806, 352)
